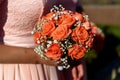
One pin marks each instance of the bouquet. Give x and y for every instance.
(62, 35)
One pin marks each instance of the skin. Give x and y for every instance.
(21, 55)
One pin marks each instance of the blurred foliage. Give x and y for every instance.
(100, 2)
(113, 30)
(118, 50)
(90, 56)
(105, 65)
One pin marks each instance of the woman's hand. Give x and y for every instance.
(47, 62)
(78, 72)
(78, 69)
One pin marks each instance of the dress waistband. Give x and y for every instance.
(20, 41)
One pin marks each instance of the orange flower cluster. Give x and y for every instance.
(63, 32)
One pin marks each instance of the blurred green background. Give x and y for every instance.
(105, 64)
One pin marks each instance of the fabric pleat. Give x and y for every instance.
(25, 72)
(9, 72)
(1, 72)
(17, 72)
(32, 72)
(41, 72)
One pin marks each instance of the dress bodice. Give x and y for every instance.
(19, 17)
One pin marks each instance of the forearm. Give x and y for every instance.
(10, 54)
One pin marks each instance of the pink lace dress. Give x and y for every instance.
(17, 19)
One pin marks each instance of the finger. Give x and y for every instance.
(49, 62)
(53, 62)
(74, 73)
(80, 69)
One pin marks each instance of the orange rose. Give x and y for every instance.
(61, 32)
(60, 20)
(37, 35)
(76, 52)
(54, 52)
(66, 19)
(78, 16)
(48, 28)
(80, 34)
